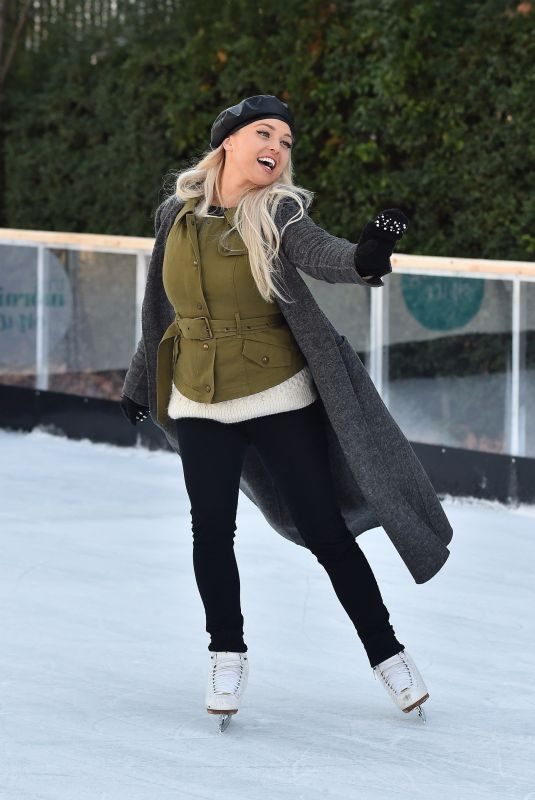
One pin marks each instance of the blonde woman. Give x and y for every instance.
(255, 389)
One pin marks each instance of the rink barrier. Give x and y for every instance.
(453, 471)
(496, 315)
(75, 417)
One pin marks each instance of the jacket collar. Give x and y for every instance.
(189, 206)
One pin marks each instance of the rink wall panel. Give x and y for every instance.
(452, 471)
(76, 417)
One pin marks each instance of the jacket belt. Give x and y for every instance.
(209, 328)
(200, 328)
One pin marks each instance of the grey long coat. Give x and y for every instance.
(378, 478)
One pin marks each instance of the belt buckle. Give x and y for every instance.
(207, 323)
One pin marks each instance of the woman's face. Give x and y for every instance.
(269, 139)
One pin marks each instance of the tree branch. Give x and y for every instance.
(19, 28)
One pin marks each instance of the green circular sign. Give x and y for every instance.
(440, 303)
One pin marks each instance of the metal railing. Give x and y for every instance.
(520, 275)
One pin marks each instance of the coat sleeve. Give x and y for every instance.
(135, 385)
(318, 253)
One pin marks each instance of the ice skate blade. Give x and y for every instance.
(414, 705)
(224, 722)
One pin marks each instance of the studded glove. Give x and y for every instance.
(377, 241)
(134, 412)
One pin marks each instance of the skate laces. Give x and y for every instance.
(396, 673)
(226, 674)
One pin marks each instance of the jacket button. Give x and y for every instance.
(265, 359)
(207, 388)
(205, 346)
(195, 262)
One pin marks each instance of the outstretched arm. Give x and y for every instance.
(332, 258)
(315, 251)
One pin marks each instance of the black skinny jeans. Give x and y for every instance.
(293, 447)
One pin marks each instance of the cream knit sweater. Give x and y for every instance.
(295, 392)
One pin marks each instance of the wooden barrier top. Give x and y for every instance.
(85, 241)
(486, 266)
(404, 261)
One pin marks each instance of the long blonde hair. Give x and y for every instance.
(254, 218)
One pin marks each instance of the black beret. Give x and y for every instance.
(260, 106)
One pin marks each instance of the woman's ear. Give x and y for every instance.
(226, 143)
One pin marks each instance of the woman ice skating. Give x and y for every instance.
(256, 390)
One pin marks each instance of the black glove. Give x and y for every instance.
(134, 412)
(377, 241)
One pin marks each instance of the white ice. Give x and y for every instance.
(103, 649)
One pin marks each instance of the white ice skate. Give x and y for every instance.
(227, 679)
(403, 682)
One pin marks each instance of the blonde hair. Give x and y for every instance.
(254, 218)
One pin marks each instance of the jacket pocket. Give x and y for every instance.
(233, 245)
(267, 355)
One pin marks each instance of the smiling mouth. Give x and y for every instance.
(265, 166)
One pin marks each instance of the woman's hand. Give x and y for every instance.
(377, 241)
(134, 412)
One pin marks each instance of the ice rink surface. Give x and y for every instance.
(104, 659)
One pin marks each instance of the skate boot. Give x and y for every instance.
(227, 680)
(403, 682)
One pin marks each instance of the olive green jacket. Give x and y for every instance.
(222, 326)
(378, 479)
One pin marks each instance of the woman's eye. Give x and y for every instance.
(288, 145)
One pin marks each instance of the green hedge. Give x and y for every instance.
(422, 105)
